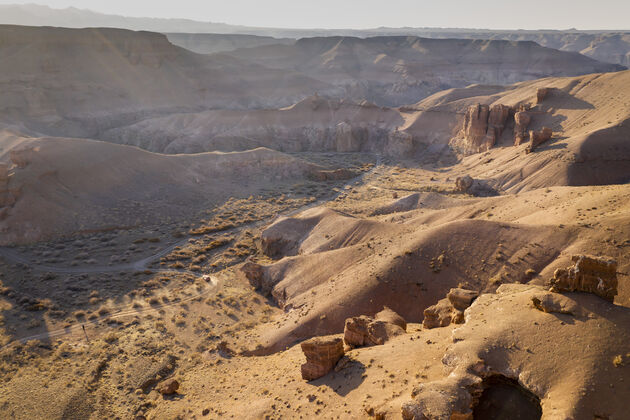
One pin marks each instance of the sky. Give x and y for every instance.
(361, 14)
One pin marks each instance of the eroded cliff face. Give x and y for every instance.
(483, 126)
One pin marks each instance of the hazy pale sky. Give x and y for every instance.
(493, 14)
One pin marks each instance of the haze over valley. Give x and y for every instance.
(206, 220)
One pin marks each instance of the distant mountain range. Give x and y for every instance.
(608, 46)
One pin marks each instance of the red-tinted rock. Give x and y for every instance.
(366, 331)
(521, 122)
(322, 354)
(536, 138)
(449, 310)
(597, 275)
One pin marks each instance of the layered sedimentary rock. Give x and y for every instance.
(367, 331)
(450, 309)
(322, 354)
(597, 275)
(483, 126)
(496, 123)
(521, 121)
(537, 137)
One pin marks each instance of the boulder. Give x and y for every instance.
(597, 275)
(521, 121)
(168, 387)
(449, 310)
(461, 298)
(555, 303)
(463, 183)
(538, 137)
(387, 315)
(322, 354)
(367, 331)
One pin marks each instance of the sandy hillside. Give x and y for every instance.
(57, 186)
(408, 262)
(80, 81)
(394, 70)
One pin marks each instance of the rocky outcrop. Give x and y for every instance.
(476, 126)
(22, 157)
(345, 138)
(399, 144)
(597, 275)
(367, 331)
(536, 138)
(257, 276)
(333, 175)
(449, 310)
(521, 121)
(496, 123)
(463, 183)
(168, 387)
(322, 353)
(483, 126)
(541, 94)
(555, 303)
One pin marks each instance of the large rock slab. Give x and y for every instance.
(597, 275)
(322, 353)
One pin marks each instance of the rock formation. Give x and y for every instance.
(555, 303)
(483, 126)
(322, 354)
(463, 183)
(450, 309)
(255, 273)
(597, 275)
(541, 94)
(496, 123)
(521, 120)
(168, 387)
(345, 138)
(366, 331)
(536, 138)
(399, 144)
(476, 126)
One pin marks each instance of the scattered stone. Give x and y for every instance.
(168, 387)
(597, 275)
(322, 354)
(388, 315)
